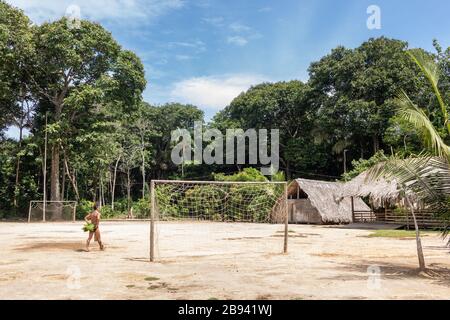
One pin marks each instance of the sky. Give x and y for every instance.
(206, 52)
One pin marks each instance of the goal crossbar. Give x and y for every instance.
(280, 201)
(35, 203)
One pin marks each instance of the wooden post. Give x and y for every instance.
(353, 209)
(152, 221)
(29, 213)
(286, 220)
(44, 208)
(74, 212)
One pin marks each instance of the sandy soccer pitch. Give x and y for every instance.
(214, 260)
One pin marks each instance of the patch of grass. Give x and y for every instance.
(153, 287)
(151, 279)
(130, 286)
(213, 298)
(399, 234)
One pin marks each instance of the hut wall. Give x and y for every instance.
(302, 211)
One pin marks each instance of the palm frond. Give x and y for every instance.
(417, 117)
(425, 178)
(431, 71)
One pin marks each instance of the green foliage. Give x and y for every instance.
(88, 227)
(248, 174)
(399, 234)
(282, 105)
(233, 202)
(164, 195)
(84, 207)
(101, 131)
(15, 52)
(141, 209)
(203, 201)
(108, 213)
(362, 165)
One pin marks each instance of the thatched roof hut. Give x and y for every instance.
(379, 192)
(313, 201)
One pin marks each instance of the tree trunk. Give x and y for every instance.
(103, 190)
(361, 148)
(100, 193)
(128, 190)
(55, 191)
(143, 175)
(114, 183)
(54, 174)
(143, 166)
(376, 144)
(16, 186)
(288, 171)
(63, 185)
(71, 178)
(422, 266)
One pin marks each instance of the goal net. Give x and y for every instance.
(52, 211)
(219, 202)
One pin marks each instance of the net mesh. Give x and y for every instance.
(216, 218)
(54, 211)
(220, 202)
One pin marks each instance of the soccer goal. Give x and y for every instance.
(218, 201)
(52, 211)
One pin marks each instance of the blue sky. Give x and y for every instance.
(206, 52)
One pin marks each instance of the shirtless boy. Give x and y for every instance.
(94, 218)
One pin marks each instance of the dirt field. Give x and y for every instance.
(212, 260)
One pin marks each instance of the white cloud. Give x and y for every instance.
(98, 10)
(237, 40)
(182, 57)
(265, 9)
(192, 44)
(195, 47)
(239, 27)
(214, 21)
(213, 92)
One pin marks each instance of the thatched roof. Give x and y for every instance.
(323, 196)
(379, 192)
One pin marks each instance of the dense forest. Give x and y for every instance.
(80, 91)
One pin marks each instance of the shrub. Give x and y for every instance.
(84, 207)
(108, 213)
(141, 209)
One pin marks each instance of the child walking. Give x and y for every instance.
(94, 218)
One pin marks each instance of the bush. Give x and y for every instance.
(361, 165)
(84, 207)
(141, 209)
(248, 174)
(203, 202)
(108, 213)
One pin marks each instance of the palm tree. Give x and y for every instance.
(425, 177)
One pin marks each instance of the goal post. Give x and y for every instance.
(218, 201)
(52, 211)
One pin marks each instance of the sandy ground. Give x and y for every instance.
(213, 260)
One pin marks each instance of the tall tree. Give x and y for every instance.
(68, 60)
(15, 51)
(355, 91)
(284, 106)
(167, 118)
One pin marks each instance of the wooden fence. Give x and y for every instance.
(425, 219)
